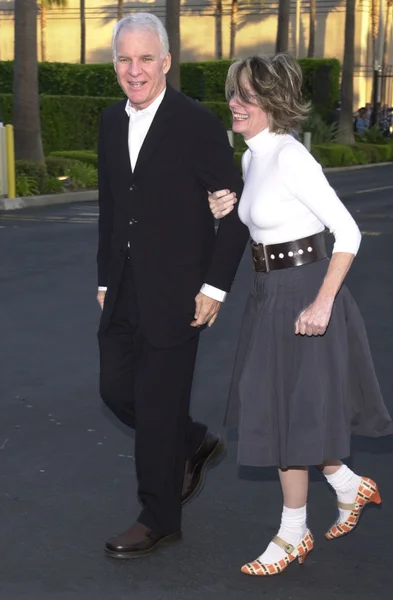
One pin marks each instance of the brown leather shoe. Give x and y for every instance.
(137, 541)
(210, 451)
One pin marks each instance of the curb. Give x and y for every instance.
(356, 167)
(91, 195)
(49, 200)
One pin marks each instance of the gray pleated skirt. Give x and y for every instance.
(297, 399)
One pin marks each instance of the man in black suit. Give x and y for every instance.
(162, 273)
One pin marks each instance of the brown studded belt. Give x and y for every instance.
(288, 254)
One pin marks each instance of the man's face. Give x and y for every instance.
(140, 66)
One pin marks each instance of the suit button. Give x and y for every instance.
(132, 188)
(133, 221)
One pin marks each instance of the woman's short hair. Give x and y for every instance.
(141, 21)
(276, 87)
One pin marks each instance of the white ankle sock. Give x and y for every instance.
(292, 530)
(346, 484)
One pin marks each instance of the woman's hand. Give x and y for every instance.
(222, 203)
(314, 319)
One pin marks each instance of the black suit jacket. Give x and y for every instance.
(162, 209)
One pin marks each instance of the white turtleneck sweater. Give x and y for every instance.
(287, 197)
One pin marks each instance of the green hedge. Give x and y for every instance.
(67, 79)
(86, 156)
(338, 155)
(329, 155)
(312, 68)
(68, 123)
(207, 81)
(203, 81)
(71, 123)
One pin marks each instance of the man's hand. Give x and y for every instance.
(206, 310)
(101, 298)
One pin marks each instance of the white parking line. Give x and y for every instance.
(378, 189)
(95, 214)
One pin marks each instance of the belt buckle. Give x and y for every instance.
(266, 257)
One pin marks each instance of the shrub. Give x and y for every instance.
(214, 76)
(85, 156)
(192, 80)
(6, 76)
(26, 185)
(57, 166)
(238, 159)
(221, 110)
(200, 80)
(52, 185)
(71, 123)
(63, 79)
(33, 178)
(31, 170)
(68, 123)
(360, 155)
(321, 133)
(372, 136)
(376, 152)
(336, 155)
(83, 176)
(238, 143)
(323, 99)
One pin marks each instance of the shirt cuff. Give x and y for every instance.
(213, 292)
(102, 288)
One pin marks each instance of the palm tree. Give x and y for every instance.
(172, 23)
(218, 21)
(234, 22)
(44, 6)
(313, 26)
(120, 9)
(26, 110)
(386, 37)
(282, 39)
(375, 9)
(82, 11)
(345, 130)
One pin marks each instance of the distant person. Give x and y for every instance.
(361, 121)
(335, 114)
(304, 378)
(368, 115)
(385, 120)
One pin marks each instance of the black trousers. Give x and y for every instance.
(149, 389)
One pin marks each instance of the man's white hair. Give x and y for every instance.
(141, 21)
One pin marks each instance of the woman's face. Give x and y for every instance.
(248, 118)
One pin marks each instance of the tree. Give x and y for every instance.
(282, 39)
(218, 23)
(313, 26)
(234, 22)
(120, 9)
(172, 23)
(82, 11)
(345, 128)
(26, 110)
(385, 54)
(44, 6)
(375, 10)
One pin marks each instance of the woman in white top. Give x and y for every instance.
(304, 379)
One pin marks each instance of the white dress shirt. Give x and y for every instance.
(287, 197)
(139, 125)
